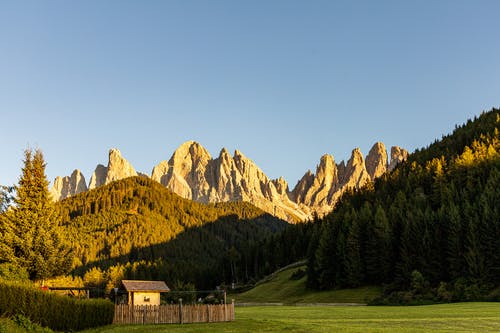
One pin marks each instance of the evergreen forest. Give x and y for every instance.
(136, 228)
(428, 230)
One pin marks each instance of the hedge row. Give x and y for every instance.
(60, 313)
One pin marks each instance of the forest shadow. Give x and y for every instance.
(205, 255)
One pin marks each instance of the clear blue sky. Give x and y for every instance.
(283, 81)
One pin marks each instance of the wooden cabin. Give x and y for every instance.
(144, 292)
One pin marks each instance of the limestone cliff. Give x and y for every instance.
(184, 173)
(193, 174)
(376, 161)
(118, 167)
(320, 191)
(98, 177)
(67, 186)
(398, 155)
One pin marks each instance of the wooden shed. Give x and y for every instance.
(144, 292)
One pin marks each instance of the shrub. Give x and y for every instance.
(494, 295)
(298, 274)
(443, 294)
(419, 284)
(25, 324)
(60, 313)
(12, 272)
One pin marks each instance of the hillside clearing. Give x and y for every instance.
(283, 288)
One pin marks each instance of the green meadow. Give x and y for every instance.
(458, 317)
(283, 288)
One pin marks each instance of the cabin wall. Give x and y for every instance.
(145, 298)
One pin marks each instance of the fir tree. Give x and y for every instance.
(36, 242)
(354, 268)
(326, 256)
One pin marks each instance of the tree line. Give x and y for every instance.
(136, 228)
(430, 226)
(435, 218)
(133, 228)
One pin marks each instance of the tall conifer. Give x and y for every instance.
(37, 243)
(354, 268)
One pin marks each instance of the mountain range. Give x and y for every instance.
(194, 174)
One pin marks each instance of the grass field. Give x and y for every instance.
(282, 289)
(460, 317)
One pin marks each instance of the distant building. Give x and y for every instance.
(144, 292)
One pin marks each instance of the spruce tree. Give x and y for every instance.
(354, 268)
(6, 235)
(326, 255)
(37, 243)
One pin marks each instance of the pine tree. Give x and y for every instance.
(6, 235)
(37, 244)
(354, 268)
(490, 212)
(326, 256)
(312, 269)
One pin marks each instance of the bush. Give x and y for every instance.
(25, 324)
(12, 272)
(8, 326)
(60, 313)
(443, 294)
(298, 274)
(420, 293)
(494, 295)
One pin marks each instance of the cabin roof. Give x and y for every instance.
(138, 285)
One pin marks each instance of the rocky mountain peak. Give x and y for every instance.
(355, 173)
(67, 186)
(184, 173)
(376, 160)
(281, 185)
(187, 157)
(192, 173)
(398, 155)
(320, 191)
(118, 167)
(98, 177)
(356, 157)
(224, 154)
(300, 190)
(326, 168)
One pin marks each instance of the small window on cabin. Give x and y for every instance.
(147, 299)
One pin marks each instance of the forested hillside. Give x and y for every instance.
(136, 228)
(434, 222)
(428, 229)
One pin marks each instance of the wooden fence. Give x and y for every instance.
(173, 314)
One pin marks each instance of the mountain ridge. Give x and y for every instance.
(194, 174)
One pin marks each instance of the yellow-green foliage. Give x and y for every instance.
(136, 228)
(119, 218)
(60, 313)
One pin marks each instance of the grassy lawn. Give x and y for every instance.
(282, 289)
(460, 317)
